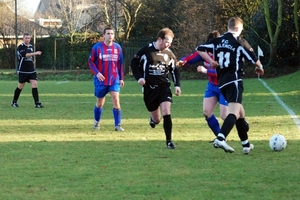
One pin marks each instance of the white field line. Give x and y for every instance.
(62, 82)
(290, 111)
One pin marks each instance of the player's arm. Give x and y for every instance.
(121, 65)
(92, 61)
(22, 51)
(252, 56)
(190, 59)
(136, 66)
(203, 49)
(259, 68)
(208, 59)
(37, 53)
(174, 70)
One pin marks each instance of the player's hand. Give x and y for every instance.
(259, 70)
(38, 53)
(180, 63)
(100, 77)
(122, 83)
(214, 64)
(177, 91)
(201, 69)
(142, 81)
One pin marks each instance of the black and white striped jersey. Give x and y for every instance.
(155, 66)
(25, 65)
(230, 53)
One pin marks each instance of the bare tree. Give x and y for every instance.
(131, 9)
(77, 15)
(296, 21)
(273, 34)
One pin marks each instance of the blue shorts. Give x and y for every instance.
(101, 90)
(214, 91)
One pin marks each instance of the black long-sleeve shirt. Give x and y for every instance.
(155, 66)
(229, 51)
(25, 65)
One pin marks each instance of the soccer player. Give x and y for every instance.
(151, 67)
(212, 93)
(106, 63)
(26, 71)
(229, 51)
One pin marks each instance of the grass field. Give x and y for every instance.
(53, 153)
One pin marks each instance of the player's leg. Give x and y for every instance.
(209, 104)
(242, 128)
(165, 99)
(34, 88)
(17, 93)
(117, 112)
(155, 116)
(223, 106)
(98, 109)
(167, 124)
(22, 79)
(151, 100)
(229, 122)
(100, 92)
(233, 95)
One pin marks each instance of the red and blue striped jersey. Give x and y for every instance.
(108, 60)
(195, 58)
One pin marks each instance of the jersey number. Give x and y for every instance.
(224, 59)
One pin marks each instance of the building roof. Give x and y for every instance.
(7, 24)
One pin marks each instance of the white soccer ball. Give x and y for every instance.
(277, 142)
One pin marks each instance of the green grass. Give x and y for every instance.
(53, 153)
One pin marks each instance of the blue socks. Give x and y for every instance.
(213, 124)
(97, 113)
(116, 112)
(117, 116)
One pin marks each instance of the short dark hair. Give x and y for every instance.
(165, 31)
(212, 35)
(26, 34)
(107, 28)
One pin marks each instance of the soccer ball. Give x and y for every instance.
(277, 142)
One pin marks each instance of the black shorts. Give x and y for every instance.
(154, 95)
(233, 92)
(26, 77)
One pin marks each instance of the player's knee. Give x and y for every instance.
(223, 117)
(156, 120)
(242, 125)
(21, 85)
(99, 105)
(206, 114)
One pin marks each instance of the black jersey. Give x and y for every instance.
(25, 65)
(230, 53)
(155, 66)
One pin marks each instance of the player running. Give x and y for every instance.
(229, 51)
(151, 67)
(212, 93)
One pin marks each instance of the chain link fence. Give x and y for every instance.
(58, 54)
